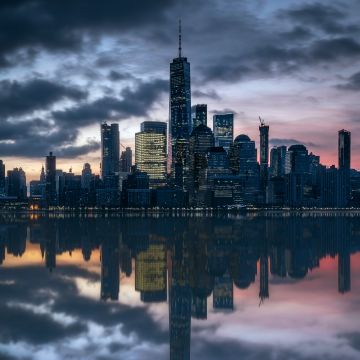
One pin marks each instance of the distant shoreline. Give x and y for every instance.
(209, 212)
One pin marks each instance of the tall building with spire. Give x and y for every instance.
(180, 115)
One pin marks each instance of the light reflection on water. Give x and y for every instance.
(202, 288)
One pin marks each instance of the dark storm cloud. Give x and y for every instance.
(328, 18)
(211, 94)
(118, 76)
(298, 33)
(274, 59)
(61, 25)
(353, 83)
(36, 137)
(133, 102)
(289, 142)
(18, 98)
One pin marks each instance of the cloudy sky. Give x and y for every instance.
(66, 66)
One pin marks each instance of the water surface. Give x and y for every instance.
(181, 288)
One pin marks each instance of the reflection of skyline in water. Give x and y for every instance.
(184, 261)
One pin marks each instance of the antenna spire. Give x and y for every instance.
(179, 38)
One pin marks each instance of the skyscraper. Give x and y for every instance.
(150, 152)
(344, 153)
(201, 140)
(277, 161)
(264, 154)
(50, 176)
(199, 115)
(344, 149)
(180, 115)
(243, 162)
(223, 127)
(110, 152)
(16, 183)
(2, 177)
(126, 160)
(86, 176)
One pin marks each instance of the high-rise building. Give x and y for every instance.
(150, 152)
(344, 149)
(344, 153)
(16, 184)
(180, 115)
(86, 176)
(217, 162)
(199, 115)
(277, 161)
(297, 160)
(333, 188)
(153, 126)
(243, 162)
(223, 128)
(2, 177)
(50, 176)
(126, 160)
(110, 152)
(201, 140)
(264, 154)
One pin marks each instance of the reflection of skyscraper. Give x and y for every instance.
(180, 114)
(223, 127)
(50, 247)
(344, 244)
(150, 273)
(110, 151)
(199, 307)
(223, 296)
(2, 249)
(180, 303)
(110, 268)
(264, 277)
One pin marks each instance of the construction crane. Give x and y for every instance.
(262, 121)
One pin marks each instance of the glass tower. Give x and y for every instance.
(199, 115)
(344, 149)
(110, 151)
(223, 127)
(150, 152)
(180, 114)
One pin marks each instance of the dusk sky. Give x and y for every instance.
(66, 66)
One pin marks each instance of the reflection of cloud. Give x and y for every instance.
(70, 323)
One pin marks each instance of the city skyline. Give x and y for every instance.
(305, 86)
